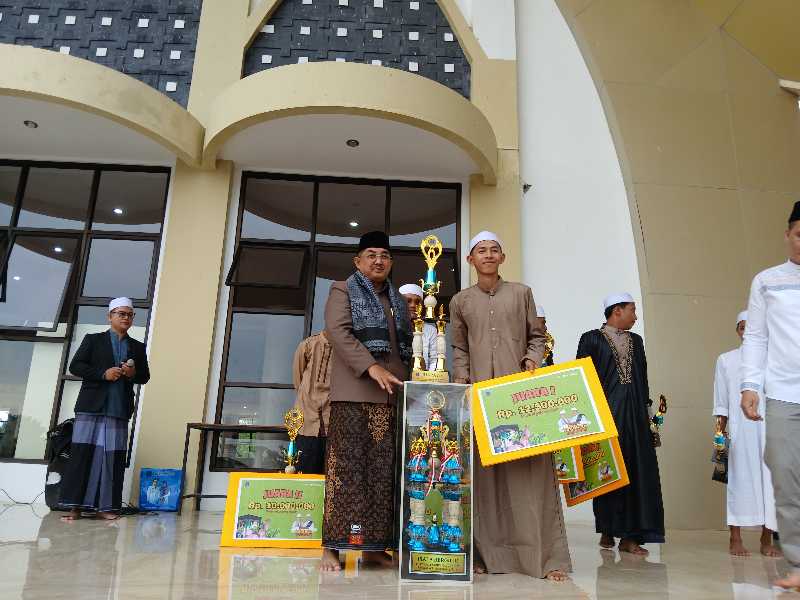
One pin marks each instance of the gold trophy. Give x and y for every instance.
(431, 249)
(294, 422)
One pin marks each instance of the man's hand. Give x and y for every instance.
(129, 372)
(530, 366)
(112, 374)
(750, 405)
(384, 378)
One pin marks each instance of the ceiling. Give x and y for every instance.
(767, 28)
(68, 134)
(317, 144)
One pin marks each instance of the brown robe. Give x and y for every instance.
(518, 521)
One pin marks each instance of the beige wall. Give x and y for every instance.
(710, 151)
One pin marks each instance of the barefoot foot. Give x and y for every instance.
(790, 582)
(72, 516)
(557, 575)
(770, 551)
(478, 566)
(737, 548)
(106, 516)
(606, 541)
(330, 560)
(632, 547)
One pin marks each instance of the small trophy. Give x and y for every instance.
(431, 249)
(293, 421)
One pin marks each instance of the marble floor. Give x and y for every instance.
(177, 558)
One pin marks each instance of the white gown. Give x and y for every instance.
(751, 501)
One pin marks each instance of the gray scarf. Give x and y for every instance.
(370, 325)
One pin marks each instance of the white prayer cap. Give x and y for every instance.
(540, 312)
(742, 317)
(613, 299)
(411, 288)
(118, 302)
(484, 236)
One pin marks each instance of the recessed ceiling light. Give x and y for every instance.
(17, 277)
(118, 211)
(353, 223)
(30, 124)
(58, 249)
(353, 143)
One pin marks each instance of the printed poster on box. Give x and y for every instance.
(275, 510)
(523, 415)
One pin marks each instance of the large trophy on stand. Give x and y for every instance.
(436, 486)
(426, 313)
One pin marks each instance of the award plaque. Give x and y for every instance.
(604, 471)
(523, 415)
(436, 486)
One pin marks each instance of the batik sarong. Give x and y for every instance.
(360, 477)
(93, 478)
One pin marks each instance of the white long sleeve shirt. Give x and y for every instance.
(429, 353)
(771, 349)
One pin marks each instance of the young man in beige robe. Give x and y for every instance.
(518, 522)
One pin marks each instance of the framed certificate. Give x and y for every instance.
(525, 415)
(568, 464)
(604, 471)
(273, 510)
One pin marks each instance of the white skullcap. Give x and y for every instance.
(484, 236)
(742, 317)
(613, 299)
(118, 302)
(411, 288)
(540, 311)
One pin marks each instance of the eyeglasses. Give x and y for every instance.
(374, 257)
(123, 315)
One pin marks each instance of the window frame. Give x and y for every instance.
(72, 298)
(313, 248)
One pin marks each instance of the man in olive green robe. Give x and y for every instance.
(518, 521)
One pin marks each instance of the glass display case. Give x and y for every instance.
(436, 487)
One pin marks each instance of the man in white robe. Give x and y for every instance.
(414, 297)
(750, 498)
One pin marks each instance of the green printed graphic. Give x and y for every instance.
(539, 411)
(280, 509)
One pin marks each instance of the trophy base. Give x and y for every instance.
(430, 376)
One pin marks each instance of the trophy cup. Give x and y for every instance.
(293, 421)
(431, 249)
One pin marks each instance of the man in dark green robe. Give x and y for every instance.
(634, 513)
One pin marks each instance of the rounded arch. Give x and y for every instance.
(53, 77)
(352, 89)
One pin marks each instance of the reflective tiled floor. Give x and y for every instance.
(169, 557)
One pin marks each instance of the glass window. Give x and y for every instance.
(278, 267)
(332, 266)
(56, 198)
(347, 211)
(128, 201)
(94, 319)
(267, 406)
(9, 180)
(278, 210)
(252, 450)
(69, 397)
(37, 275)
(262, 346)
(419, 212)
(119, 268)
(28, 378)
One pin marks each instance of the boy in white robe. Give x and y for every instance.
(750, 498)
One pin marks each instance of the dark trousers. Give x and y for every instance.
(312, 459)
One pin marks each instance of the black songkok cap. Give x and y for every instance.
(795, 216)
(374, 239)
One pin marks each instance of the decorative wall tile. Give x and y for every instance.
(401, 34)
(153, 41)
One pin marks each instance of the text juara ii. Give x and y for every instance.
(436, 516)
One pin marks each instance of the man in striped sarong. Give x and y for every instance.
(111, 364)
